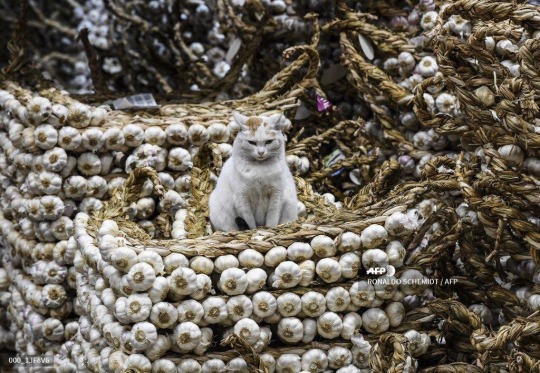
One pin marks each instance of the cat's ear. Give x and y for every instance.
(240, 119)
(275, 120)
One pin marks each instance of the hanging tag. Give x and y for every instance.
(336, 156)
(143, 101)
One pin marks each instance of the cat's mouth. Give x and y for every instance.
(261, 158)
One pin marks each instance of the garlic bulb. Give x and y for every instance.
(290, 330)
(163, 315)
(138, 307)
(328, 269)
(215, 310)
(256, 278)
(288, 363)
(323, 246)
(141, 276)
(190, 310)
(374, 258)
(313, 304)
(307, 268)
(206, 341)
(362, 294)
(176, 134)
(396, 313)
(189, 366)
(174, 261)
(373, 236)
(339, 357)
(289, 304)
(350, 264)
(287, 275)
(187, 336)
(237, 365)
(213, 366)
(352, 322)
(337, 299)
(224, 262)
(183, 281)
(264, 304)
(275, 256)
(329, 325)
(375, 321)
(239, 307)
(299, 251)
(144, 335)
(248, 330)
(314, 360)
(250, 259)
(233, 281)
(201, 264)
(412, 282)
(513, 154)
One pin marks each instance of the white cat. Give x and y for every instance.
(255, 183)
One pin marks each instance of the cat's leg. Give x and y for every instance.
(289, 212)
(246, 212)
(274, 210)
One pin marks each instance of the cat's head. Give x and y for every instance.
(260, 138)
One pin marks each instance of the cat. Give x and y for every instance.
(255, 187)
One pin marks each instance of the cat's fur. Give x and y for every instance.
(255, 183)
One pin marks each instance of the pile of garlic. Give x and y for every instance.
(139, 307)
(61, 158)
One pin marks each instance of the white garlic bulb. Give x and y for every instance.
(290, 330)
(352, 322)
(141, 276)
(513, 154)
(248, 330)
(328, 270)
(329, 325)
(307, 268)
(215, 310)
(337, 299)
(313, 304)
(187, 336)
(256, 278)
(287, 275)
(264, 304)
(275, 256)
(190, 310)
(362, 294)
(323, 246)
(288, 363)
(289, 304)
(183, 281)
(396, 313)
(375, 321)
(163, 315)
(233, 281)
(373, 236)
(239, 307)
(299, 251)
(350, 265)
(314, 360)
(144, 335)
(250, 258)
(339, 357)
(201, 264)
(224, 262)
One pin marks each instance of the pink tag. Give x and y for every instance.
(322, 103)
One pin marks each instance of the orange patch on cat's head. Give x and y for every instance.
(253, 123)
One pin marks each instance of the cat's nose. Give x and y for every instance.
(261, 151)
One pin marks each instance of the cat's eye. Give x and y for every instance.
(268, 142)
(252, 142)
